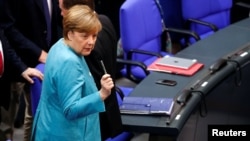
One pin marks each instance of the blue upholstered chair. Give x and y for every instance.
(206, 16)
(36, 89)
(121, 92)
(172, 16)
(124, 136)
(143, 35)
(141, 30)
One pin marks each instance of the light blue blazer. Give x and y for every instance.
(70, 103)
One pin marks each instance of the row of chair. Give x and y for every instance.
(145, 26)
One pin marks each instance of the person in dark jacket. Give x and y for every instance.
(12, 69)
(31, 27)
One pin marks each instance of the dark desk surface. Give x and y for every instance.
(206, 51)
(243, 24)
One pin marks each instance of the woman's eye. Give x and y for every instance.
(84, 35)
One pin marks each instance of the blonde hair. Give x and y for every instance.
(69, 3)
(81, 18)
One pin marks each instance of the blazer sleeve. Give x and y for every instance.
(11, 58)
(7, 22)
(76, 92)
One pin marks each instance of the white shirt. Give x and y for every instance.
(1, 51)
(50, 7)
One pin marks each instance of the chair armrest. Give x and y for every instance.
(212, 26)
(243, 4)
(119, 92)
(130, 53)
(184, 32)
(130, 63)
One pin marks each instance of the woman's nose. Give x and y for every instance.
(91, 40)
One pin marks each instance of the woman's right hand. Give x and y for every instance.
(106, 85)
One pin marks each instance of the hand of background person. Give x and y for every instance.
(107, 84)
(31, 72)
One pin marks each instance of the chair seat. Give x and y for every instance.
(126, 91)
(36, 89)
(141, 33)
(124, 136)
(138, 71)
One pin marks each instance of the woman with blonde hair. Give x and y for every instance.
(70, 102)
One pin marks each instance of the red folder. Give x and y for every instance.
(188, 72)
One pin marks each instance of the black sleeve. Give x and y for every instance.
(11, 60)
(19, 41)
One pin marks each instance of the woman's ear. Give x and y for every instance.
(70, 35)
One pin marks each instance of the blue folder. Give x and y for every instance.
(147, 105)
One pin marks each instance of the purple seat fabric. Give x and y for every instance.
(36, 88)
(124, 136)
(172, 16)
(215, 12)
(126, 91)
(140, 28)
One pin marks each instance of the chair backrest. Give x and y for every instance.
(215, 12)
(140, 27)
(172, 16)
(36, 89)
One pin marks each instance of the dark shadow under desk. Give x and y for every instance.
(227, 104)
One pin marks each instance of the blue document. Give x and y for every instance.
(147, 105)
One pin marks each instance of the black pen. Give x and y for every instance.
(103, 67)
